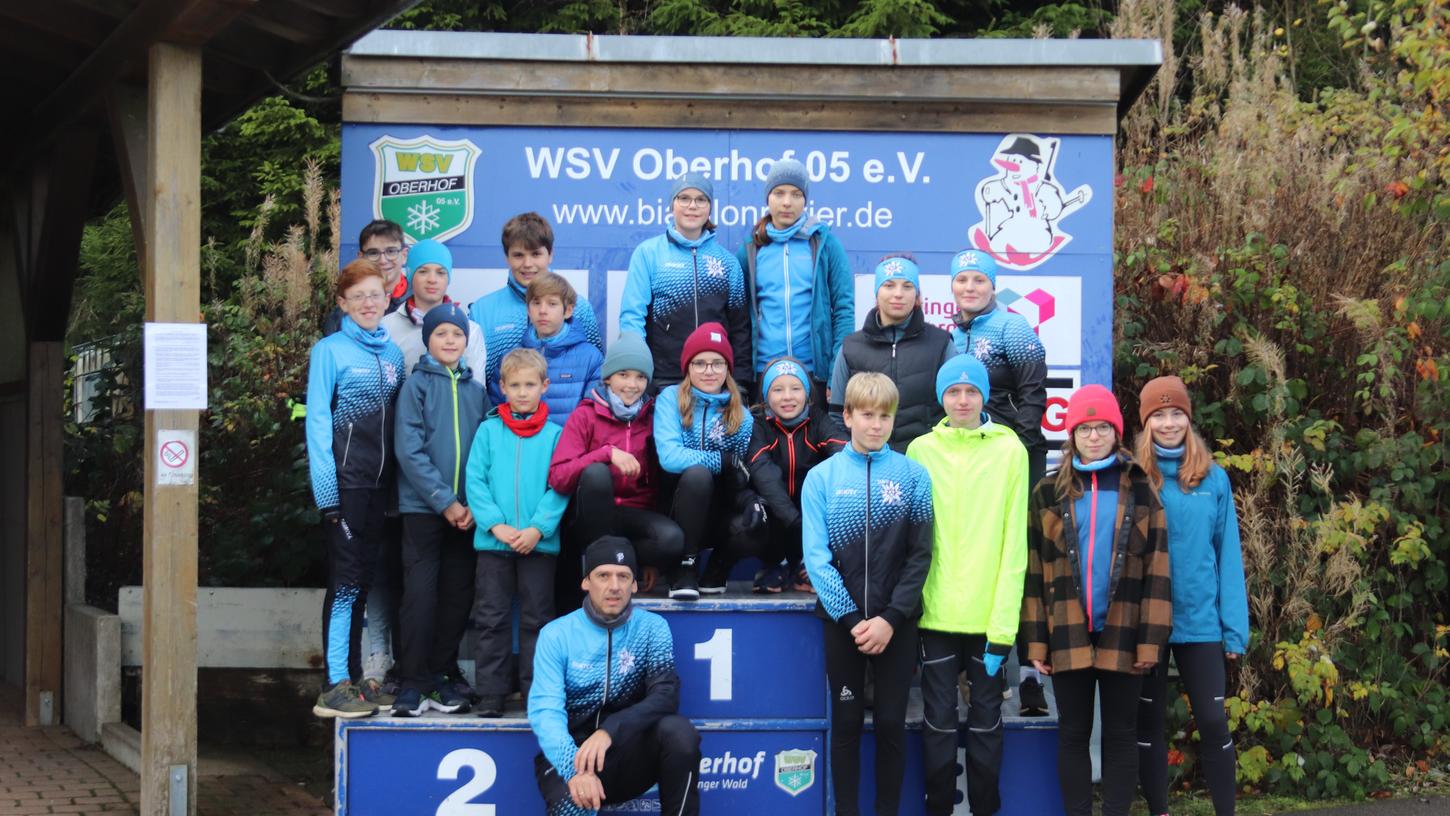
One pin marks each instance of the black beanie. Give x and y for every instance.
(610, 550)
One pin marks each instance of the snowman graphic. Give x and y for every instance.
(1022, 205)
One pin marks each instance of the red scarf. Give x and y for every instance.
(529, 425)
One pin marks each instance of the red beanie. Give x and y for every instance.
(709, 337)
(1094, 403)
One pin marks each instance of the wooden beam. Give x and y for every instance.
(72, 161)
(44, 544)
(74, 23)
(169, 533)
(126, 108)
(946, 117)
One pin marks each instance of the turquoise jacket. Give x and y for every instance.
(508, 483)
(1210, 604)
(807, 313)
(700, 444)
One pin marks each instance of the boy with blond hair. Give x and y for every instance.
(868, 500)
(517, 527)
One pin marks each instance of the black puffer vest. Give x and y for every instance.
(911, 362)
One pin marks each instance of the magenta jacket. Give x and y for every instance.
(591, 434)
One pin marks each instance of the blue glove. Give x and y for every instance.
(993, 662)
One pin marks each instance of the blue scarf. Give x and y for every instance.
(1169, 453)
(556, 338)
(1101, 464)
(621, 412)
(675, 236)
(374, 341)
(780, 236)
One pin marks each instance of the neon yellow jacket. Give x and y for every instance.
(979, 547)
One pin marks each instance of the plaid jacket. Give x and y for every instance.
(1140, 612)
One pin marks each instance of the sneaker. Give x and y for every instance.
(372, 691)
(489, 705)
(1033, 700)
(802, 581)
(409, 703)
(717, 575)
(345, 701)
(684, 586)
(772, 580)
(445, 698)
(460, 686)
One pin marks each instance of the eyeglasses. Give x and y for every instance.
(692, 201)
(1087, 431)
(702, 366)
(391, 253)
(372, 297)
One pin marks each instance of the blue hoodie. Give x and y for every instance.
(590, 674)
(508, 483)
(1097, 526)
(438, 414)
(807, 313)
(701, 443)
(504, 317)
(676, 284)
(573, 368)
(353, 377)
(1209, 600)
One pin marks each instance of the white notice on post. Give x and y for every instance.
(175, 366)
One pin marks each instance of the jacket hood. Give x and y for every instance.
(427, 365)
(571, 338)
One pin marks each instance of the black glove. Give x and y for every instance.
(733, 468)
(750, 515)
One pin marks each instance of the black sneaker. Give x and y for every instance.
(717, 574)
(684, 586)
(444, 698)
(409, 703)
(772, 580)
(1032, 699)
(489, 705)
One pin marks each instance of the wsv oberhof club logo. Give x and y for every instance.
(795, 771)
(425, 184)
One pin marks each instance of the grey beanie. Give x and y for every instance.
(788, 171)
(695, 181)
(628, 352)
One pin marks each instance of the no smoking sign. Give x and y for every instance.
(175, 457)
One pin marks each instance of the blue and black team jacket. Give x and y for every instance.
(1016, 368)
(504, 316)
(676, 284)
(700, 444)
(592, 674)
(867, 532)
(353, 378)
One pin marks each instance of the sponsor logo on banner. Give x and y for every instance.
(1023, 204)
(1060, 385)
(795, 771)
(425, 184)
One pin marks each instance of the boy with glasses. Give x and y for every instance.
(380, 242)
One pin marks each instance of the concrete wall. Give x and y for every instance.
(92, 670)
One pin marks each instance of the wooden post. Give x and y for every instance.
(173, 295)
(44, 546)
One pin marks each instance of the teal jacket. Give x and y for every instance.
(830, 295)
(508, 483)
(1210, 604)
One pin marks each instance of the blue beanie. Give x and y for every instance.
(444, 313)
(973, 260)
(426, 252)
(695, 181)
(788, 171)
(963, 368)
(628, 352)
(897, 268)
(783, 367)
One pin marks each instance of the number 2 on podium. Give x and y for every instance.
(720, 651)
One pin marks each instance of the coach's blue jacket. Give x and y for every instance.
(590, 674)
(353, 378)
(867, 530)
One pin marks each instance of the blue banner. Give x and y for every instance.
(1041, 204)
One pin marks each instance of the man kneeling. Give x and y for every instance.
(604, 699)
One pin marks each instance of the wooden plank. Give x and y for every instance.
(71, 158)
(951, 117)
(1026, 84)
(74, 23)
(169, 529)
(126, 109)
(239, 627)
(45, 550)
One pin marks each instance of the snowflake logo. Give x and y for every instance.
(890, 491)
(717, 432)
(982, 349)
(714, 267)
(626, 661)
(390, 373)
(894, 267)
(423, 218)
